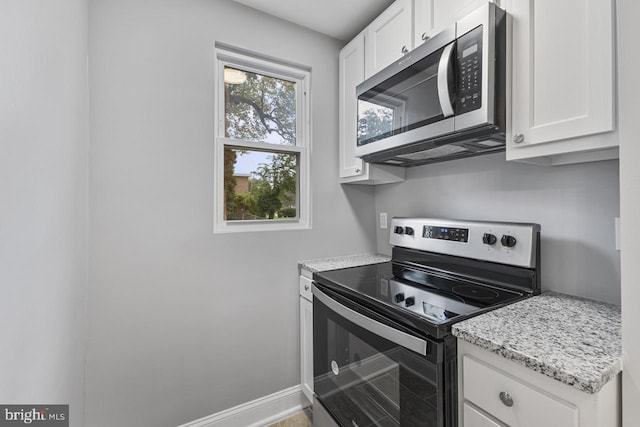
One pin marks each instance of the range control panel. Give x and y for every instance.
(503, 242)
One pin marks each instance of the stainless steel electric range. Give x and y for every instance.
(382, 344)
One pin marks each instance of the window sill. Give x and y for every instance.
(257, 226)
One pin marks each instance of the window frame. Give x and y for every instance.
(228, 56)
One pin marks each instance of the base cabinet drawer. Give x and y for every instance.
(511, 401)
(475, 418)
(305, 288)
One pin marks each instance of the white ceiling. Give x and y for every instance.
(340, 19)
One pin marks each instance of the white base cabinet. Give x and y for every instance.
(563, 85)
(306, 335)
(495, 392)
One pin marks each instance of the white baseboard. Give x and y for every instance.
(257, 413)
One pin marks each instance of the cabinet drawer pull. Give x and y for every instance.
(404, 49)
(306, 287)
(506, 399)
(424, 36)
(518, 138)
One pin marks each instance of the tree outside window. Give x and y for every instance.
(262, 142)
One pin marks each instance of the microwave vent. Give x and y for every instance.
(434, 153)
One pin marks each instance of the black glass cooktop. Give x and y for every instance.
(429, 301)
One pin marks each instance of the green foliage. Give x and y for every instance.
(262, 109)
(229, 180)
(244, 206)
(275, 184)
(375, 122)
(287, 213)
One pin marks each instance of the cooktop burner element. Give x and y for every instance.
(436, 278)
(437, 305)
(474, 292)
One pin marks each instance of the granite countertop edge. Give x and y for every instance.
(594, 369)
(590, 386)
(346, 261)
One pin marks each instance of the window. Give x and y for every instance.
(262, 144)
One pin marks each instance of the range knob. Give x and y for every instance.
(489, 239)
(399, 297)
(409, 301)
(508, 241)
(408, 231)
(398, 230)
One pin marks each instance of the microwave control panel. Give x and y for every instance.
(469, 59)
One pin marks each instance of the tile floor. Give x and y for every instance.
(300, 419)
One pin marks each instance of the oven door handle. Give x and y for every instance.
(398, 337)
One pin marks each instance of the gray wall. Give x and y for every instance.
(185, 323)
(574, 204)
(43, 202)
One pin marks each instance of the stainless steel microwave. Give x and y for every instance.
(443, 100)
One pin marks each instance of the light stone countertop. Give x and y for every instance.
(334, 263)
(574, 340)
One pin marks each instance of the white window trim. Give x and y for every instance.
(279, 69)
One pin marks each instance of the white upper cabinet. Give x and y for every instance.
(432, 16)
(389, 36)
(351, 74)
(423, 21)
(562, 87)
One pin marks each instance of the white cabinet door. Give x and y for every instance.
(306, 347)
(563, 74)
(423, 21)
(351, 68)
(389, 36)
(352, 168)
(432, 16)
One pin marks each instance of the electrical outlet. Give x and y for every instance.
(383, 220)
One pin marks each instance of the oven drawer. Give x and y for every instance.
(513, 402)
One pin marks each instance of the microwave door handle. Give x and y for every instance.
(398, 337)
(444, 67)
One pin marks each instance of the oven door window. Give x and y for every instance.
(365, 380)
